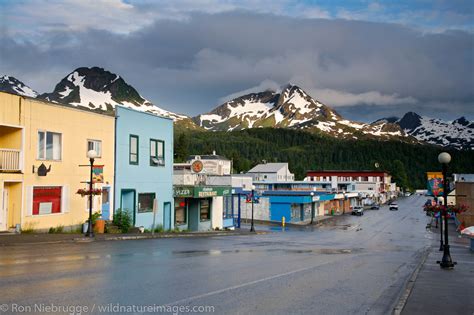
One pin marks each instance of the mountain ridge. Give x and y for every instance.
(289, 107)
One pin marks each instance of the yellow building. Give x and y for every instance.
(42, 146)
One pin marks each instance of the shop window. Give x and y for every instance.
(46, 200)
(180, 215)
(157, 153)
(133, 150)
(205, 210)
(145, 202)
(49, 145)
(95, 145)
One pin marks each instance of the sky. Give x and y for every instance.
(365, 59)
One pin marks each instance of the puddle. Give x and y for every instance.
(322, 251)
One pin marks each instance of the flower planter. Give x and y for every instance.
(99, 226)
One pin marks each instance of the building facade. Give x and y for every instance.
(144, 168)
(372, 185)
(43, 163)
(272, 172)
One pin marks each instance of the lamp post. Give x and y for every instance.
(441, 244)
(91, 154)
(252, 228)
(312, 207)
(446, 263)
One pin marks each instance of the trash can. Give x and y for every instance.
(99, 226)
(85, 227)
(332, 211)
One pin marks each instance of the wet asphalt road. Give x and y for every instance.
(353, 265)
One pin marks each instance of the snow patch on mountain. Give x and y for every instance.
(12, 85)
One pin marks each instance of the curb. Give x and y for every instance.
(402, 301)
(131, 237)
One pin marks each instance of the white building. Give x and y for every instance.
(271, 172)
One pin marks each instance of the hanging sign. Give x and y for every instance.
(98, 174)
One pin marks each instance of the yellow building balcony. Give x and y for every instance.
(11, 154)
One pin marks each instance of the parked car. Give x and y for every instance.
(393, 206)
(358, 211)
(375, 207)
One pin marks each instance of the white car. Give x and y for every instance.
(357, 210)
(393, 206)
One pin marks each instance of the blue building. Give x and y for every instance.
(144, 167)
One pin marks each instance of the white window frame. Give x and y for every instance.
(44, 158)
(94, 146)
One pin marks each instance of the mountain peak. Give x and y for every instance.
(12, 85)
(410, 121)
(99, 89)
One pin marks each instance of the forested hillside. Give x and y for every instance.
(304, 151)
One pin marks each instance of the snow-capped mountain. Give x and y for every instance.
(293, 108)
(99, 89)
(458, 133)
(12, 85)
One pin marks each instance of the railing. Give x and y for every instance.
(9, 160)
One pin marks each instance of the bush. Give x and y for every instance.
(95, 217)
(159, 229)
(123, 220)
(58, 229)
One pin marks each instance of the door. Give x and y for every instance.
(128, 202)
(105, 209)
(4, 210)
(167, 216)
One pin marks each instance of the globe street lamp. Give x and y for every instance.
(252, 228)
(446, 263)
(91, 154)
(312, 207)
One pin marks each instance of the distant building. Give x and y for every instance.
(271, 172)
(464, 194)
(469, 178)
(372, 185)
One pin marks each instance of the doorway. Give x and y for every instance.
(4, 210)
(128, 202)
(105, 209)
(167, 216)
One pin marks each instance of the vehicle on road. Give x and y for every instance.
(393, 206)
(357, 210)
(375, 207)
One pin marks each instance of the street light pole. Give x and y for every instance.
(91, 154)
(312, 207)
(252, 228)
(441, 244)
(446, 263)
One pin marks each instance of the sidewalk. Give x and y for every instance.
(433, 290)
(45, 238)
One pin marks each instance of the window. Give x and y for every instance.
(204, 210)
(49, 145)
(95, 145)
(46, 200)
(145, 202)
(180, 215)
(133, 146)
(157, 152)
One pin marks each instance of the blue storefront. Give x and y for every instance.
(144, 167)
(295, 205)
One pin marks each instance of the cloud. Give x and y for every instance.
(341, 98)
(190, 65)
(265, 85)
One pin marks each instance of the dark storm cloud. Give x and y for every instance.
(188, 66)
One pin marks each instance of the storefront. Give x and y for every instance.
(200, 208)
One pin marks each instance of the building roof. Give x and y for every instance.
(347, 172)
(268, 168)
(208, 157)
